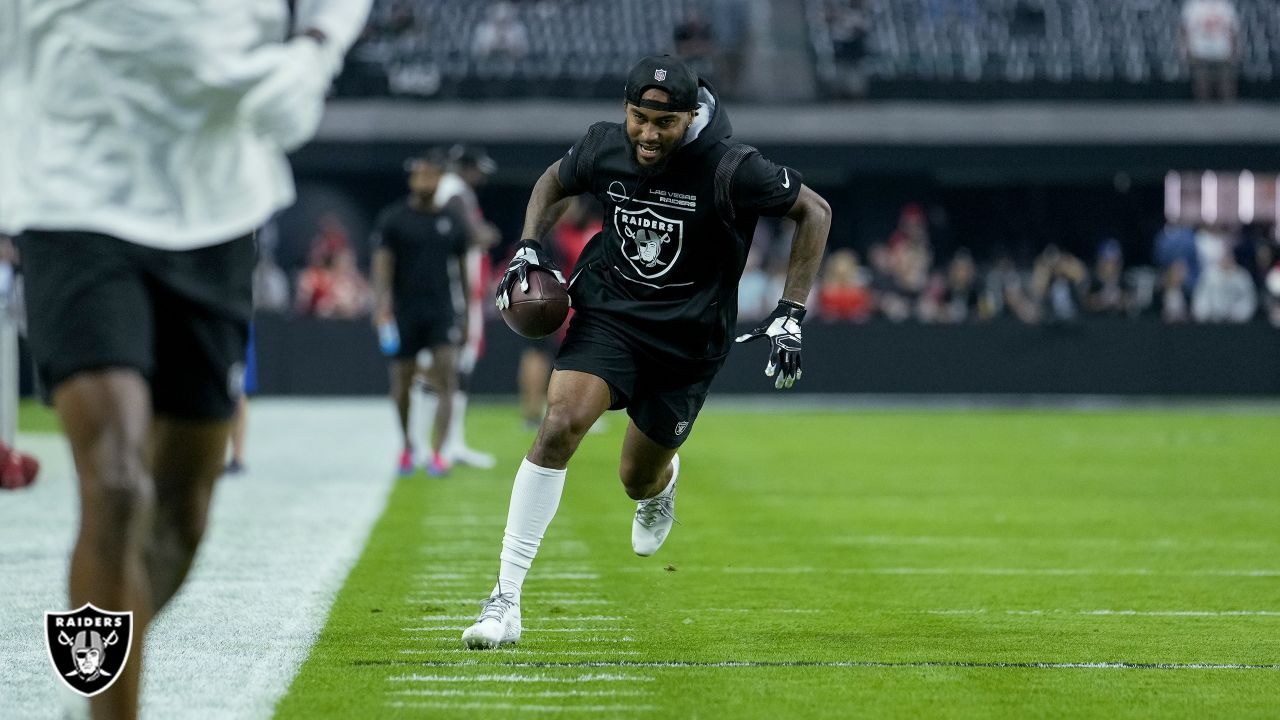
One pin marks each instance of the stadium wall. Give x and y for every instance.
(1140, 357)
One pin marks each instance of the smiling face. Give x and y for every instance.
(655, 134)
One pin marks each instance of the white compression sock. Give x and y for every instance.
(422, 418)
(456, 439)
(534, 499)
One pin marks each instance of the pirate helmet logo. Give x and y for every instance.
(88, 647)
(660, 74)
(650, 242)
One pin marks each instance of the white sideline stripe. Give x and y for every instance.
(508, 694)
(264, 578)
(611, 652)
(1140, 613)
(996, 571)
(517, 678)
(405, 705)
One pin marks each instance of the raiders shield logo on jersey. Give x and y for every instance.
(650, 242)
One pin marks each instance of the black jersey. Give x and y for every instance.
(665, 269)
(426, 244)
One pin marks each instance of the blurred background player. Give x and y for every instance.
(17, 470)
(468, 169)
(240, 424)
(419, 281)
(136, 204)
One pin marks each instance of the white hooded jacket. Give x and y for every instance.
(161, 122)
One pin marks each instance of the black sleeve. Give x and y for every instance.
(578, 166)
(384, 235)
(763, 188)
(461, 232)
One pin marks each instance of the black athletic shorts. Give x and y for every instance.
(181, 318)
(661, 395)
(424, 332)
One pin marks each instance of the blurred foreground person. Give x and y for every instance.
(655, 300)
(143, 143)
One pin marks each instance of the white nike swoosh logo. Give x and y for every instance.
(786, 181)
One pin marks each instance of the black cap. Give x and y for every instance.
(433, 156)
(668, 73)
(473, 156)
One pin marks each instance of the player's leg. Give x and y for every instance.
(442, 375)
(456, 448)
(186, 460)
(239, 429)
(535, 368)
(92, 338)
(662, 412)
(574, 401)
(105, 415)
(203, 302)
(649, 472)
(401, 372)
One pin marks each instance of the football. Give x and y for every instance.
(539, 311)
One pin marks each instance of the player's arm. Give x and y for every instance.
(384, 267)
(464, 279)
(812, 216)
(547, 202)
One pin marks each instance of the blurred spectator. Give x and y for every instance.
(1027, 19)
(729, 27)
(1225, 292)
(1272, 293)
(843, 293)
(1058, 283)
(270, 284)
(695, 44)
(1107, 293)
(500, 34)
(1178, 242)
(1175, 300)
(1211, 42)
(961, 298)
(331, 285)
(849, 27)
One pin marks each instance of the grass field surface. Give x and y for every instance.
(840, 564)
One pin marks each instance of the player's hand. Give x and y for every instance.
(529, 254)
(782, 328)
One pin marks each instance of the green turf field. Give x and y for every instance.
(880, 564)
(36, 417)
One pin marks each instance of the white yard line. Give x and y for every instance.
(281, 540)
(508, 693)
(799, 570)
(518, 678)
(520, 707)
(1138, 613)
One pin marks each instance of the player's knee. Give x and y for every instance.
(561, 431)
(636, 480)
(117, 514)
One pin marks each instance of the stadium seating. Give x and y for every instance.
(1035, 48)
(575, 49)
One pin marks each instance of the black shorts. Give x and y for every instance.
(181, 318)
(661, 395)
(425, 332)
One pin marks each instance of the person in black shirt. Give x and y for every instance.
(655, 295)
(419, 279)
